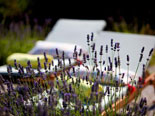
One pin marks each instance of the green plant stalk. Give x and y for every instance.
(135, 73)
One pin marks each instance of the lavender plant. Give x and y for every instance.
(62, 89)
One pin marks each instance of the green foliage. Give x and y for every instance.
(19, 38)
(13, 7)
(152, 61)
(133, 27)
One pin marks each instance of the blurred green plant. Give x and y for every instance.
(133, 27)
(11, 8)
(152, 61)
(20, 37)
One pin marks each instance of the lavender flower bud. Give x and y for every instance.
(95, 54)
(106, 49)
(108, 90)
(141, 56)
(70, 88)
(92, 36)
(116, 62)
(84, 58)
(128, 58)
(111, 66)
(93, 47)
(73, 70)
(101, 50)
(88, 39)
(128, 107)
(52, 63)
(75, 48)
(63, 55)
(141, 103)
(69, 75)
(57, 53)
(75, 55)
(109, 59)
(111, 43)
(103, 62)
(117, 45)
(46, 59)
(49, 66)
(119, 61)
(82, 110)
(93, 89)
(38, 59)
(150, 52)
(45, 66)
(86, 78)
(123, 75)
(143, 111)
(142, 50)
(15, 64)
(64, 104)
(80, 53)
(28, 64)
(56, 68)
(69, 61)
(87, 57)
(8, 70)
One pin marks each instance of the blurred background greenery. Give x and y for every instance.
(23, 22)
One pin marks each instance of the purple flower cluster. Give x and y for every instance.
(61, 89)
